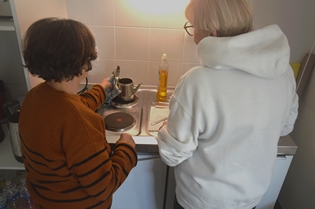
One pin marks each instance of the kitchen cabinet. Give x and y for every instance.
(143, 188)
(280, 171)
(145, 185)
(151, 180)
(6, 25)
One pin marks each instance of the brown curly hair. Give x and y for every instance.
(57, 49)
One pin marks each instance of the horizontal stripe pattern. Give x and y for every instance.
(70, 167)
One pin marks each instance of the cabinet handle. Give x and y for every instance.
(149, 158)
(281, 157)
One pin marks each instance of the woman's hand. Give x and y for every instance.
(106, 84)
(164, 124)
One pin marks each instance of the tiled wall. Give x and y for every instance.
(134, 36)
(135, 33)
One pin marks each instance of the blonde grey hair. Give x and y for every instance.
(226, 17)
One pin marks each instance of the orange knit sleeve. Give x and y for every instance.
(94, 97)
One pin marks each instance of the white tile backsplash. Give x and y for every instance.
(173, 20)
(136, 33)
(127, 15)
(174, 73)
(190, 50)
(132, 43)
(73, 9)
(167, 41)
(104, 37)
(101, 69)
(134, 69)
(187, 66)
(97, 12)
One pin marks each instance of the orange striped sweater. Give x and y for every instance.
(68, 161)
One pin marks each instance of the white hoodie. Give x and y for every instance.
(226, 117)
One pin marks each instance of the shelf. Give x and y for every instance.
(6, 24)
(7, 159)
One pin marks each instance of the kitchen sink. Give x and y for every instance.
(148, 97)
(145, 140)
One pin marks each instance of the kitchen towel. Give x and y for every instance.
(112, 93)
(156, 114)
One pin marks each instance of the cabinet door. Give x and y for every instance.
(144, 187)
(279, 173)
(170, 189)
(270, 197)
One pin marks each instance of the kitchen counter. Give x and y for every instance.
(145, 143)
(286, 146)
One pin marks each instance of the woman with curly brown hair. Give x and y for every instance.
(68, 161)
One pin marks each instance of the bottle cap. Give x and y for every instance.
(164, 57)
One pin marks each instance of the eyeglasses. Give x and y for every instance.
(189, 28)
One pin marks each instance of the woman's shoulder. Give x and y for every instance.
(197, 74)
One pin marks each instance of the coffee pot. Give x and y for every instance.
(127, 89)
(15, 136)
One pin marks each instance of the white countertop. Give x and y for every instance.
(144, 144)
(8, 161)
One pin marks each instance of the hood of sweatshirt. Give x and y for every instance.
(264, 52)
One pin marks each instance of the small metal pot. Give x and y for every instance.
(127, 89)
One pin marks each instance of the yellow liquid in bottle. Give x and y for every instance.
(162, 87)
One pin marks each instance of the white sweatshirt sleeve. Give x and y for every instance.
(289, 123)
(178, 139)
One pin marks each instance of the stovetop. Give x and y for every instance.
(135, 110)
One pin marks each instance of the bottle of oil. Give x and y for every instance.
(163, 75)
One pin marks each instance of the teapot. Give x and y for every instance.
(127, 89)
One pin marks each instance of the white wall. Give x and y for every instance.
(296, 19)
(298, 188)
(135, 39)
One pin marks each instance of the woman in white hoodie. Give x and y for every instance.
(226, 115)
